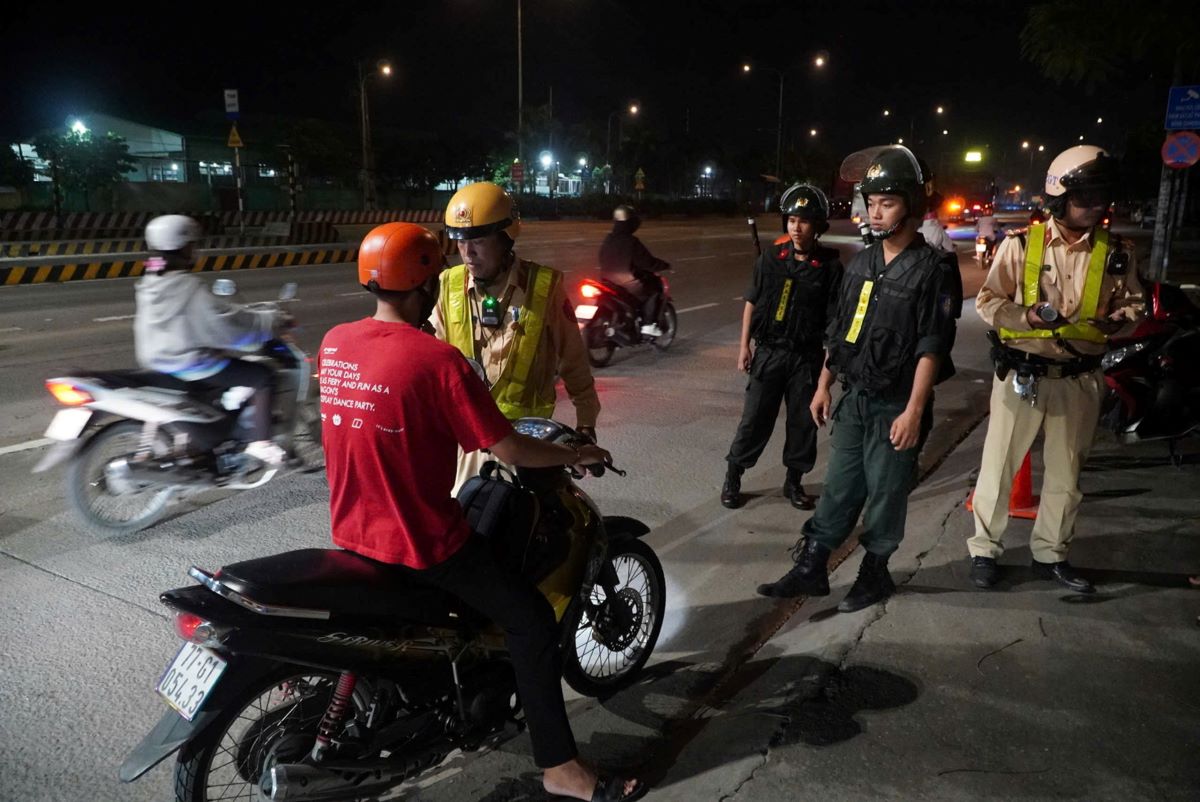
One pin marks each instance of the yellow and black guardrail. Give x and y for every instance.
(133, 264)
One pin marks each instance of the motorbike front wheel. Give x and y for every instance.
(271, 721)
(609, 639)
(669, 323)
(104, 500)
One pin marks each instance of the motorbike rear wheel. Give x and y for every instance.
(600, 349)
(272, 721)
(606, 654)
(118, 509)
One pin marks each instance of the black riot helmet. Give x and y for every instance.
(896, 171)
(806, 202)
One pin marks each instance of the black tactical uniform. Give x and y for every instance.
(792, 300)
(887, 318)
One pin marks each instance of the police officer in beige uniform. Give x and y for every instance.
(1054, 296)
(511, 315)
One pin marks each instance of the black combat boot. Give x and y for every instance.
(874, 584)
(809, 577)
(795, 491)
(731, 491)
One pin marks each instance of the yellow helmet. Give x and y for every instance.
(479, 209)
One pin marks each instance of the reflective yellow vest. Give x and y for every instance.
(1035, 247)
(514, 394)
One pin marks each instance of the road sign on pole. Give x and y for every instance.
(231, 104)
(1183, 108)
(516, 173)
(235, 139)
(1181, 150)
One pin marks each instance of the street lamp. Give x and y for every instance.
(887, 113)
(941, 110)
(384, 68)
(812, 131)
(78, 127)
(779, 124)
(633, 110)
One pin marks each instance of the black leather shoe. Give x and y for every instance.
(795, 492)
(809, 577)
(873, 585)
(1063, 574)
(731, 491)
(984, 572)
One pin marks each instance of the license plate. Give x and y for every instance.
(190, 678)
(585, 311)
(68, 424)
(980, 248)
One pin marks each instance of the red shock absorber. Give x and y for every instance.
(331, 722)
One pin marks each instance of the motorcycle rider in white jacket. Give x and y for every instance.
(182, 329)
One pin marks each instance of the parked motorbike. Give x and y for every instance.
(136, 440)
(319, 674)
(610, 317)
(1153, 375)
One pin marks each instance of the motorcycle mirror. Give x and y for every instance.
(224, 287)
(854, 167)
(288, 291)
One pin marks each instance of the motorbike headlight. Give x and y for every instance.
(1116, 357)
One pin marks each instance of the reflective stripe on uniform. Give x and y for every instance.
(1089, 304)
(783, 301)
(860, 314)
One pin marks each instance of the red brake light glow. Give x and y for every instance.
(68, 394)
(186, 625)
(589, 290)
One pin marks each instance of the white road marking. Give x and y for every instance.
(32, 444)
(114, 317)
(10, 329)
(695, 258)
(694, 308)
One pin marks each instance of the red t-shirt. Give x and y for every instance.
(395, 402)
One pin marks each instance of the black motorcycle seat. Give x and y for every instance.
(344, 583)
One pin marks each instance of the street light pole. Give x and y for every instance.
(368, 176)
(779, 130)
(520, 88)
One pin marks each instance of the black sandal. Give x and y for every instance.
(612, 789)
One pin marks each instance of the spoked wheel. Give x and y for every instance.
(102, 495)
(669, 323)
(271, 722)
(611, 638)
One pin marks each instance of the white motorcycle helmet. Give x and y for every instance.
(1082, 168)
(171, 232)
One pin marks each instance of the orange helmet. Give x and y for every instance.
(398, 257)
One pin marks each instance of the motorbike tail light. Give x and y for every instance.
(194, 629)
(589, 290)
(68, 394)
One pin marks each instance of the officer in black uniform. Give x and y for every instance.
(788, 307)
(889, 342)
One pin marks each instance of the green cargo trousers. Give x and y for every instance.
(866, 475)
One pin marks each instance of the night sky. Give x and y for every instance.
(167, 65)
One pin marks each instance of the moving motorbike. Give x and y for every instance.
(319, 674)
(136, 440)
(610, 317)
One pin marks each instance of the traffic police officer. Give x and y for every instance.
(1054, 295)
(787, 309)
(889, 342)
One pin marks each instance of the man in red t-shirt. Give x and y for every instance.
(396, 403)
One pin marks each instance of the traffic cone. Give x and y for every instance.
(1022, 503)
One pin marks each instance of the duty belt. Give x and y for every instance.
(1030, 368)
